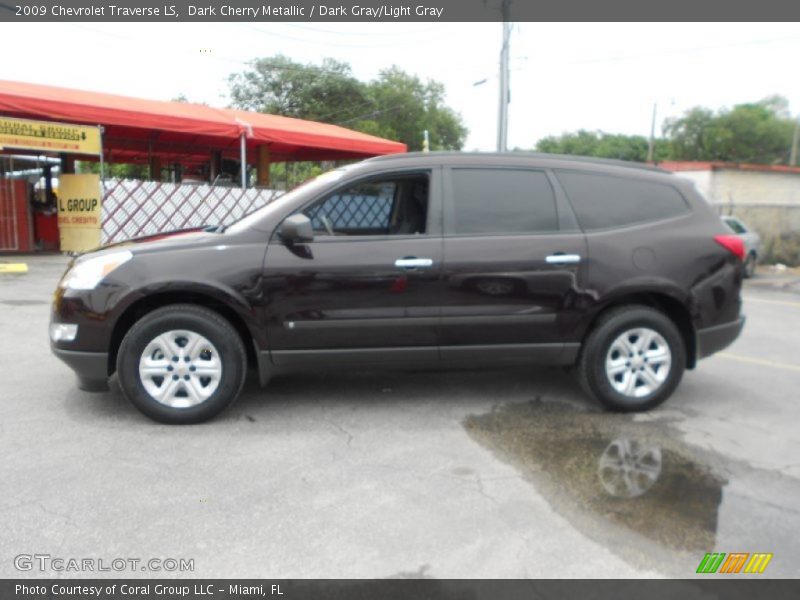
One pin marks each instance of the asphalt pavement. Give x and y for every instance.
(502, 473)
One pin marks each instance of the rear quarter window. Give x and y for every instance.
(608, 201)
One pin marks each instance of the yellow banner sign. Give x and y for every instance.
(79, 212)
(45, 136)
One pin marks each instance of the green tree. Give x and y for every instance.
(395, 105)
(693, 136)
(288, 175)
(114, 170)
(405, 107)
(759, 132)
(601, 145)
(277, 85)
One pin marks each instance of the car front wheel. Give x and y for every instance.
(633, 359)
(181, 364)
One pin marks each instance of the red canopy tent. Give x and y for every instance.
(138, 130)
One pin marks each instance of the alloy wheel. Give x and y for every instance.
(638, 362)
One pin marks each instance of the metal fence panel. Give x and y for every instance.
(137, 208)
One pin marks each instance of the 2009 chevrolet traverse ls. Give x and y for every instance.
(452, 259)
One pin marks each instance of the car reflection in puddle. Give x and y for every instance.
(617, 480)
(629, 468)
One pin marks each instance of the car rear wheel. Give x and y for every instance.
(181, 364)
(750, 265)
(633, 359)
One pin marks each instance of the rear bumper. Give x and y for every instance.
(714, 339)
(90, 367)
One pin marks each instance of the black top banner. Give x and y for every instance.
(397, 10)
(396, 589)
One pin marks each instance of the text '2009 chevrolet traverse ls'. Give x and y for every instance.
(416, 259)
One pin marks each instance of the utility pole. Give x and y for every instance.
(793, 157)
(502, 117)
(652, 144)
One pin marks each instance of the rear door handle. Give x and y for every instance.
(413, 263)
(563, 259)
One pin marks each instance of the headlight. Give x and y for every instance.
(86, 274)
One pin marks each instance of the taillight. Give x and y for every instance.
(732, 244)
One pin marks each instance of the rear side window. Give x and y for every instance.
(735, 226)
(498, 201)
(606, 201)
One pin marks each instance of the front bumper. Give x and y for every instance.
(90, 367)
(714, 339)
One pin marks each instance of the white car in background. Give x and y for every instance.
(752, 243)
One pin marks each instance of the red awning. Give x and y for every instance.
(136, 129)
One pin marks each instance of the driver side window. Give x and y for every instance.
(386, 206)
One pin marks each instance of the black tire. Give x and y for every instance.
(196, 319)
(750, 265)
(611, 325)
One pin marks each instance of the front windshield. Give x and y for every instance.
(257, 215)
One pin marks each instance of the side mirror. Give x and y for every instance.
(297, 228)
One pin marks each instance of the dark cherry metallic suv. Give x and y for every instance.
(443, 259)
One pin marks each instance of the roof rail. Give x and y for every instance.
(564, 157)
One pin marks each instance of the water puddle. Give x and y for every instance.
(631, 484)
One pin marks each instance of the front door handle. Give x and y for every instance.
(411, 262)
(563, 259)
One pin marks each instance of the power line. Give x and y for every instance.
(336, 112)
(373, 113)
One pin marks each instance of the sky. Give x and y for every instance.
(564, 76)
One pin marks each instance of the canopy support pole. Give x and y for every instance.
(243, 153)
(262, 174)
(102, 163)
(215, 166)
(153, 162)
(68, 163)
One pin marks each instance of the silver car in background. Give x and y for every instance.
(752, 243)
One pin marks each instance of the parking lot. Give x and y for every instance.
(423, 474)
